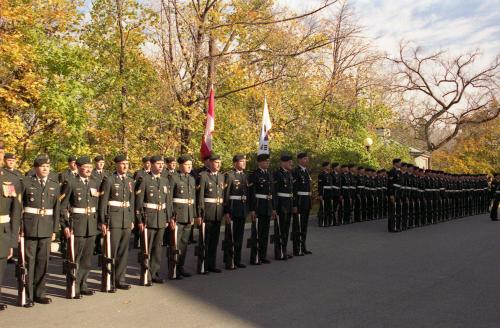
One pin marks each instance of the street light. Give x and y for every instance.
(368, 142)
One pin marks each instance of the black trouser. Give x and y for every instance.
(300, 219)
(37, 262)
(212, 231)
(357, 208)
(98, 245)
(119, 249)
(326, 217)
(285, 218)
(263, 232)
(238, 232)
(155, 250)
(183, 234)
(84, 247)
(3, 265)
(493, 212)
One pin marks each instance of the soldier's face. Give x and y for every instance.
(72, 165)
(43, 170)
(157, 167)
(85, 170)
(146, 165)
(288, 165)
(122, 167)
(186, 167)
(216, 165)
(264, 164)
(172, 165)
(99, 165)
(240, 165)
(10, 163)
(304, 161)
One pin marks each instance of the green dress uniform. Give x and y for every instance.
(40, 221)
(80, 196)
(236, 205)
(99, 175)
(10, 214)
(495, 199)
(261, 193)
(325, 190)
(116, 210)
(394, 189)
(153, 208)
(211, 209)
(283, 203)
(302, 200)
(184, 210)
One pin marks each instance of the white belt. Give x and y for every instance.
(213, 200)
(361, 187)
(39, 211)
(397, 185)
(116, 203)
(327, 187)
(234, 197)
(188, 201)
(335, 187)
(4, 218)
(157, 207)
(304, 193)
(345, 187)
(384, 187)
(262, 196)
(282, 194)
(497, 192)
(83, 210)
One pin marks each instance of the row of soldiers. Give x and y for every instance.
(409, 196)
(83, 202)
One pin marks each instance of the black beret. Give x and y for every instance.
(301, 155)
(9, 156)
(40, 160)
(396, 160)
(335, 164)
(71, 158)
(156, 158)
(98, 158)
(262, 157)
(169, 159)
(120, 158)
(184, 158)
(325, 164)
(146, 159)
(204, 158)
(214, 157)
(238, 157)
(83, 160)
(286, 157)
(344, 166)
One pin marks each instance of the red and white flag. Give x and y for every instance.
(206, 140)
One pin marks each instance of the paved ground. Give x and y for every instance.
(445, 275)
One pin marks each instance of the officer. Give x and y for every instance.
(495, 197)
(394, 192)
(168, 172)
(153, 210)
(337, 199)
(261, 206)
(146, 168)
(211, 207)
(40, 224)
(346, 194)
(284, 199)
(236, 203)
(80, 197)
(116, 216)
(10, 169)
(325, 196)
(70, 172)
(99, 173)
(10, 213)
(183, 187)
(302, 197)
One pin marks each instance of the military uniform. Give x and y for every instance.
(261, 192)
(10, 213)
(283, 203)
(40, 221)
(336, 198)
(236, 205)
(302, 197)
(81, 197)
(116, 210)
(495, 199)
(99, 175)
(183, 187)
(395, 206)
(347, 194)
(211, 209)
(153, 207)
(325, 190)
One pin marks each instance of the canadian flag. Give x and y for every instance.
(206, 140)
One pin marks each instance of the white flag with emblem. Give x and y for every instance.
(264, 132)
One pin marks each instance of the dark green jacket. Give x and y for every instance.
(117, 191)
(10, 205)
(150, 191)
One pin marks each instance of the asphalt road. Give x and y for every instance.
(444, 275)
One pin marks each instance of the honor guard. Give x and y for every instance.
(303, 203)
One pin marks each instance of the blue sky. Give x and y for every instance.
(455, 25)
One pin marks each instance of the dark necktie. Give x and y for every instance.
(42, 183)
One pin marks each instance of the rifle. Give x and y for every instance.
(172, 253)
(71, 266)
(297, 235)
(276, 239)
(200, 249)
(228, 246)
(107, 263)
(253, 243)
(143, 258)
(21, 271)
